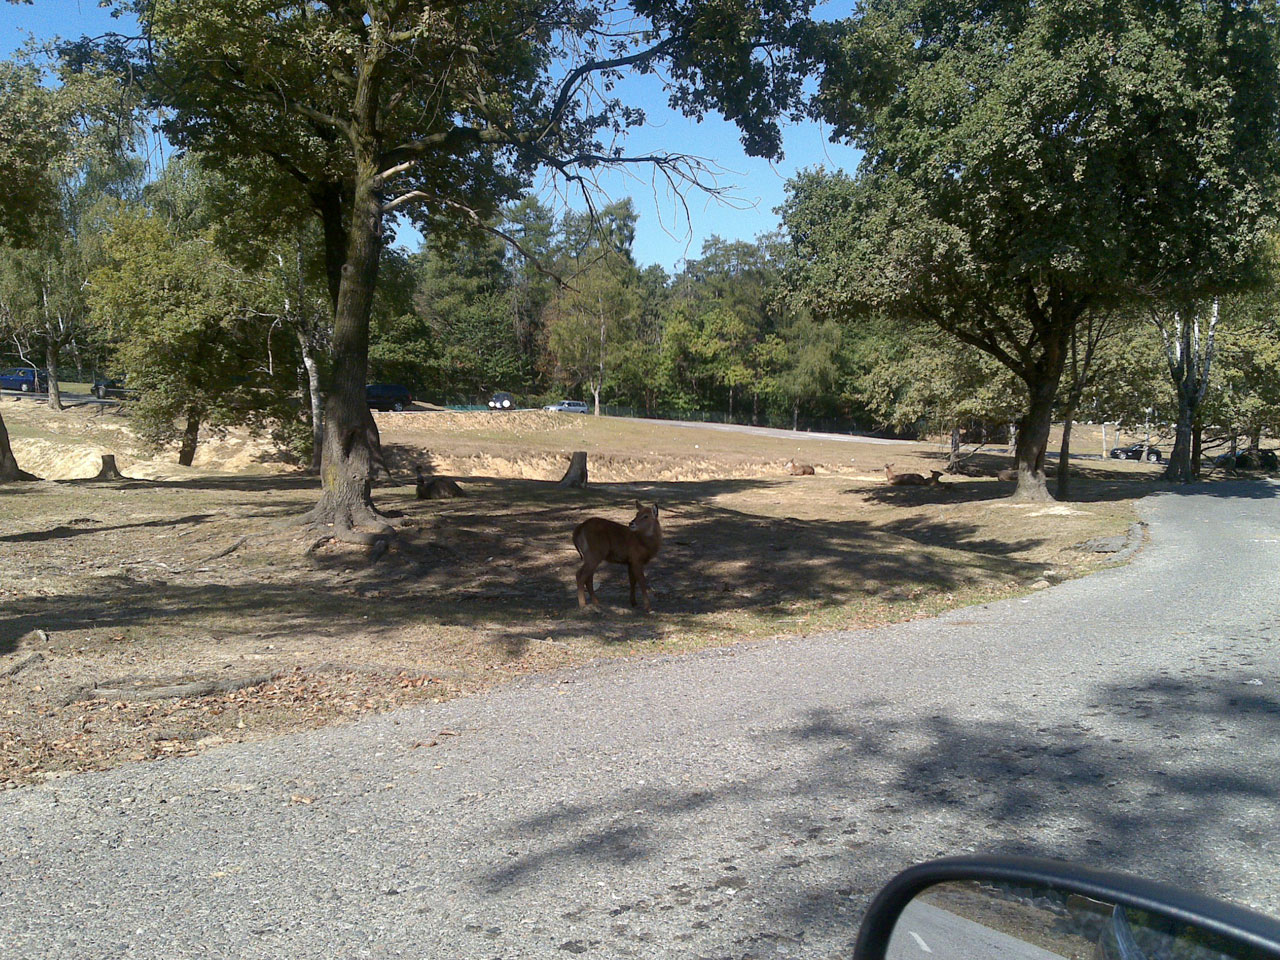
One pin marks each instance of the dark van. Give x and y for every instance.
(387, 396)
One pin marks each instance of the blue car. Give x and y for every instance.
(25, 379)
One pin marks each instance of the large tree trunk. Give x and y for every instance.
(9, 469)
(1189, 358)
(190, 437)
(1064, 457)
(1033, 441)
(316, 398)
(348, 458)
(51, 351)
(1180, 459)
(1197, 447)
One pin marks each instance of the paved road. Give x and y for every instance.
(744, 803)
(776, 432)
(925, 930)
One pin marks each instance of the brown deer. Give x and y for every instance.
(912, 479)
(799, 469)
(634, 545)
(437, 488)
(1008, 474)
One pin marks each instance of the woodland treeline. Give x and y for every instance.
(161, 282)
(1063, 213)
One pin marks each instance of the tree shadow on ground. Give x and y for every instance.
(248, 483)
(503, 561)
(846, 791)
(1084, 489)
(86, 526)
(1091, 482)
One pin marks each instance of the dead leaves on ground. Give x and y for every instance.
(94, 735)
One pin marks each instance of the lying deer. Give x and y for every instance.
(912, 479)
(437, 488)
(634, 545)
(799, 469)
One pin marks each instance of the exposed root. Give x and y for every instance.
(344, 533)
(198, 688)
(14, 667)
(18, 474)
(225, 551)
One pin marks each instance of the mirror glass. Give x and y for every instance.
(986, 920)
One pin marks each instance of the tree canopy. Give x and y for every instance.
(1028, 162)
(444, 112)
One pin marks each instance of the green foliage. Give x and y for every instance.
(590, 327)
(57, 120)
(31, 141)
(462, 328)
(1130, 382)
(813, 348)
(905, 376)
(1079, 150)
(1027, 163)
(1244, 395)
(187, 331)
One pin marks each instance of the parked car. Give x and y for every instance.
(502, 401)
(1134, 452)
(25, 379)
(104, 389)
(387, 396)
(568, 406)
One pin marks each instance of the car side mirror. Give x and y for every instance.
(1024, 909)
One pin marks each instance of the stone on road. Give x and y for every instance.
(741, 803)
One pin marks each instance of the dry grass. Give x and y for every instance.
(128, 584)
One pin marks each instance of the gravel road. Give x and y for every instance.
(741, 803)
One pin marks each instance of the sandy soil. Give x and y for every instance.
(116, 596)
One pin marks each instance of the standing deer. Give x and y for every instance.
(634, 545)
(799, 469)
(912, 479)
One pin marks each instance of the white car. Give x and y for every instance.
(568, 406)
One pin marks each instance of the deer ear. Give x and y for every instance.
(655, 511)
(639, 505)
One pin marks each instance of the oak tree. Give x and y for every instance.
(1028, 162)
(443, 111)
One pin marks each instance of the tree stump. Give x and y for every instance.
(576, 475)
(109, 469)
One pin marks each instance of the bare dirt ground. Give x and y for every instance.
(149, 618)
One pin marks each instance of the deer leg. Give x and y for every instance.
(637, 576)
(631, 575)
(585, 586)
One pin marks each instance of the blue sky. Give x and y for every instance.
(664, 235)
